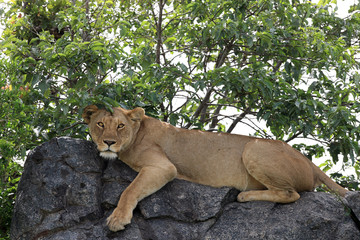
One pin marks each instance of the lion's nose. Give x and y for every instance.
(109, 142)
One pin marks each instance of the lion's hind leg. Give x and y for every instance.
(282, 175)
(279, 196)
(277, 187)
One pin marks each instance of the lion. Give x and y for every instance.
(262, 169)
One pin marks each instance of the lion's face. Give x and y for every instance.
(112, 133)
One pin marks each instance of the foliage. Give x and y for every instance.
(214, 65)
(10, 174)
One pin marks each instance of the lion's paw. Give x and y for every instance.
(243, 197)
(117, 222)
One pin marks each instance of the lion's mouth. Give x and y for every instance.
(108, 154)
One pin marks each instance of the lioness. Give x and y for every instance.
(262, 169)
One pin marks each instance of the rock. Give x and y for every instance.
(353, 200)
(313, 216)
(187, 204)
(67, 191)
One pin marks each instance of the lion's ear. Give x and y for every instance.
(137, 114)
(88, 111)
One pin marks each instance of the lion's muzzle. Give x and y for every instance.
(107, 149)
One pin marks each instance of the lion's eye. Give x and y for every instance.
(121, 125)
(100, 124)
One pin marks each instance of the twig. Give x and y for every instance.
(67, 128)
(238, 119)
(294, 136)
(201, 106)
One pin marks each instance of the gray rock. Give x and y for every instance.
(187, 204)
(314, 216)
(352, 199)
(67, 191)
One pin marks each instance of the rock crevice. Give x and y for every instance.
(67, 191)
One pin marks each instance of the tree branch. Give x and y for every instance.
(75, 124)
(159, 32)
(278, 65)
(223, 54)
(238, 119)
(219, 62)
(201, 106)
(294, 136)
(215, 119)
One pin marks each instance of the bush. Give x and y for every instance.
(9, 177)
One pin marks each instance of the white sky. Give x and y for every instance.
(343, 6)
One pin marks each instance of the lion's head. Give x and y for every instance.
(112, 132)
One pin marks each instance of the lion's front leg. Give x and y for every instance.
(149, 180)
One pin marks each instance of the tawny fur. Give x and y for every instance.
(262, 169)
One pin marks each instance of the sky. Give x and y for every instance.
(343, 6)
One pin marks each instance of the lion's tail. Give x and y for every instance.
(333, 186)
